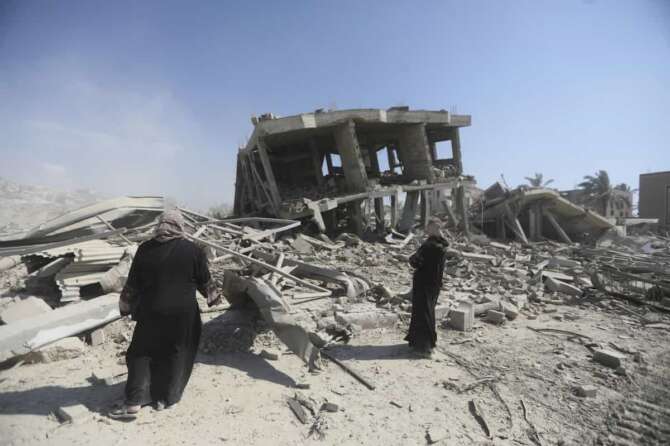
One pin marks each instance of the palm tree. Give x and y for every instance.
(597, 189)
(538, 180)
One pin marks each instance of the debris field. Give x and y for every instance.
(552, 325)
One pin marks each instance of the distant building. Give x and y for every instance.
(619, 206)
(655, 197)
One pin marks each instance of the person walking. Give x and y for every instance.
(160, 295)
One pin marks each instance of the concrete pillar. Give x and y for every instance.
(425, 207)
(415, 153)
(379, 216)
(395, 201)
(456, 149)
(409, 211)
(352, 161)
(317, 160)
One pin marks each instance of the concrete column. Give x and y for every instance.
(352, 161)
(316, 162)
(409, 211)
(456, 149)
(425, 207)
(379, 216)
(415, 153)
(395, 200)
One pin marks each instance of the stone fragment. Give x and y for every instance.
(97, 337)
(367, 320)
(441, 311)
(608, 358)
(23, 309)
(553, 284)
(436, 435)
(329, 407)
(74, 414)
(66, 348)
(270, 356)
(586, 391)
(100, 377)
(495, 317)
(302, 246)
(462, 318)
(511, 311)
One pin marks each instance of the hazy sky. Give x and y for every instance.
(155, 97)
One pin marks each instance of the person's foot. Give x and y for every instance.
(125, 412)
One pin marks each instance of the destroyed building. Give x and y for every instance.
(655, 197)
(345, 165)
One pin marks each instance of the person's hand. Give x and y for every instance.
(124, 307)
(213, 299)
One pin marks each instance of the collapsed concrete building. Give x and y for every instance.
(346, 165)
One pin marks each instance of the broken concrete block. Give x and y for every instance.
(495, 317)
(586, 391)
(97, 337)
(511, 311)
(519, 300)
(74, 414)
(441, 311)
(367, 320)
(436, 434)
(101, 377)
(553, 284)
(329, 407)
(66, 348)
(302, 246)
(462, 318)
(608, 358)
(665, 302)
(24, 309)
(270, 356)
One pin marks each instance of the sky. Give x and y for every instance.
(155, 97)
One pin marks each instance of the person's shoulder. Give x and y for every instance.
(438, 242)
(189, 245)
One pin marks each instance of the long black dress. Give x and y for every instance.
(161, 289)
(428, 262)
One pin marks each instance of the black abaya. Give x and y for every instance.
(428, 262)
(161, 288)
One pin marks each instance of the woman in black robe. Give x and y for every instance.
(428, 263)
(160, 296)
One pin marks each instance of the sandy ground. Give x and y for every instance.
(240, 398)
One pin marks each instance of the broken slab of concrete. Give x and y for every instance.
(67, 348)
(608, 358)
(495, 317)
(36, 332)
(74, 414)
(559, 286)
(367, 320)
(24, 309)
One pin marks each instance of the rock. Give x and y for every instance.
(302, 246)
(74, 414)
(271, 356)
(608, 358)
(367, 320)
(329, 407)
(100, 377)
(586, 391)
(553, 284)
(24, 309)
(67, 348)
(97, 337)
(495, 317)
(519, 300)
(441, 311)
(462, 318)
(511, 312)
(436, 434)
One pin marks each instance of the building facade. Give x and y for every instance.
(655, 197)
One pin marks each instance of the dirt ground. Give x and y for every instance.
(240, 398)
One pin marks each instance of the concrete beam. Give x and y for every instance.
(415, 153)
